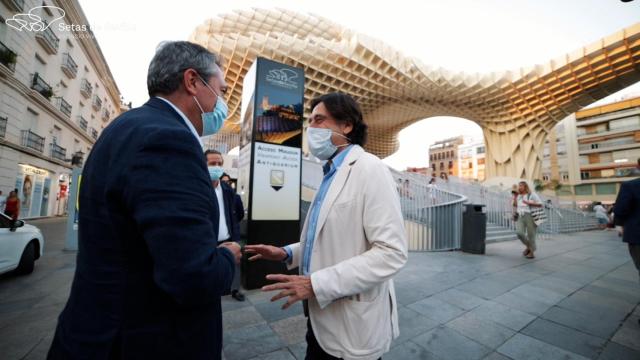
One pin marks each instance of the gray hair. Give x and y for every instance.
(172, 58)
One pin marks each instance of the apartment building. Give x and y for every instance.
(56, 95)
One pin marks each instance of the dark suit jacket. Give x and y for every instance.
(231, 211)
(627, 211)
(149, 275)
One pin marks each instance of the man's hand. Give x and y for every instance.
(234, 248)
(296, 287)
(266, 252)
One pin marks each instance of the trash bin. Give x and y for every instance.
(474, 228)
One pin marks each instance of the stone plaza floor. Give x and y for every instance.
(579, 299)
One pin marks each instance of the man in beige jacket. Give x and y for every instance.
(352, 243)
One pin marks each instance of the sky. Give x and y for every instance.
(463, 35)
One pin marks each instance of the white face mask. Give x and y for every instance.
(320, 143)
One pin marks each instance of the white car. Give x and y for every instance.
(19, 249)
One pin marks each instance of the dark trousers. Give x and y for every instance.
(235, 285)
(314, 351)
(634, 250)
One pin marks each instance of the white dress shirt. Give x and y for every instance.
(184, 118)
(223, 230)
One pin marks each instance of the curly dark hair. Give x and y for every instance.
(343, 108)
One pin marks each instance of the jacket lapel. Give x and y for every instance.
(336, 186)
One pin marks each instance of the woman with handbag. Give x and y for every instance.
(527, 203)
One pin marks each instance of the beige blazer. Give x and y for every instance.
(360, 244)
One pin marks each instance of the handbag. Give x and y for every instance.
(538, 214)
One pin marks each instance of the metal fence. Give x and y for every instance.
(432, 216)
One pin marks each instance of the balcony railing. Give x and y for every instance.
(607, 145)
(48, 39)
(3, 126)
(94, 134)
(58, 152)
(97, 103)
(7, 57)
(32, 140)
(82, 122)
(69, 66)
(38, 84)
(15, 5)
(86, 89)
(106, 115)
(64, 106)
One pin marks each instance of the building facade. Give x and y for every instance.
(608, 139)
(471, 160)
(443, 157)
(56, 95)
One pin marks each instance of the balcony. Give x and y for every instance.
(97, 103)
(608, 145)
(86, 89)
(83, 123)
(58, 152)
(49, 41)
(32, 140)
(38, 84)
(106, 115)
(15, 5)
(3, 127)
(610, 132)
(69, 67)
(8, 58)
(94, 134)
(64, 106)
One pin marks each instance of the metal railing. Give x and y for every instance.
(3, 126)
(64, 106)
(48, 39)
(106, 115)
(69, 66)
(38, 84)
(15, 5)
(94, 134)
(8, 57)
(58, 152)
(86, 89)
(83, 123)
(32, 140)
(97, 103)
(432, 217)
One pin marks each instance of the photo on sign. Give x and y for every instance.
(277, 179)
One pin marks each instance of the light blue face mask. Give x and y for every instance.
(213, 121)
(320, 143)
(215, 172)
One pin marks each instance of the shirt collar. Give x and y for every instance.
(337, 161)
(184, 118)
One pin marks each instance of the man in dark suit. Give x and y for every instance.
(150, 272)
(627, 214)
(229, 224)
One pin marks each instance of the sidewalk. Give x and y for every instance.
(578, 300)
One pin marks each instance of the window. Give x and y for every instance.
(470, 165)
(441, 166)
(628, 122)
(545, 177)
(562, 149)
(584, 189)
(450, 164)
(584, 175)
(594, 146)
(606, 189)
(565, 176)
(481, 161)
(433, 166)
(480, 150)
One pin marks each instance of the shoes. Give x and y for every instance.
(236, 294)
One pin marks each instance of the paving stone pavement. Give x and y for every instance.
(578, 300)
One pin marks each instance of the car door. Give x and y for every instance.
(11, 246)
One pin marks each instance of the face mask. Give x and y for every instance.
(215, 172)
(212, 121)
(320, 143)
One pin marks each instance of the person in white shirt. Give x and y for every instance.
(601, 215)
(525, 226)
(228, 224)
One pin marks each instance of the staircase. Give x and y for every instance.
(497, 233)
